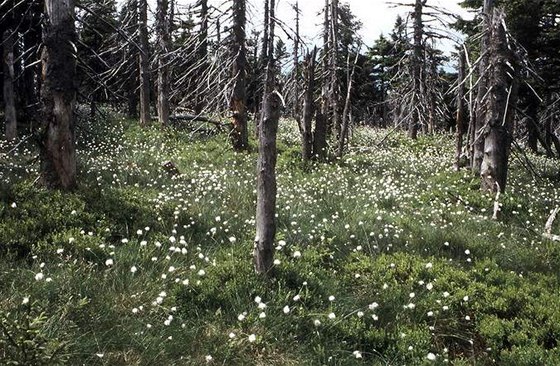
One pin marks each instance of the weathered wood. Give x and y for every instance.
(501, 105)
(461, 109)
(266, 185)
(417, 61)
(144, 63)
(58, 95)
(548, 226)
(163, 27)
(238, 103)
(308, 107)
(8, 85)
(345, 113)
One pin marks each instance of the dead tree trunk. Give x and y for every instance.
(320, 132)
(202, 54)
(144, 63)
(345, 114)
(414, 121)
(238, 103)
(479, 120)
(334, 94)
(164, 47)
(296, 67)
(461, 109)
(58, 95)
(500, 107)
(8, 86)
(308, 107)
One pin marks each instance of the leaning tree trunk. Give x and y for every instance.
(345, 114)
(202, 56)
(58, 95)
(501, 103)
(164, 47)
(414, 121)
(461, 109)
(144, 63)
(308, 107)
(238, 102)
(480, 113)
(8, 87)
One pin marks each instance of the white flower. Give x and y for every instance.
(14, 205)
(286, 309)
(241, 317)
(411, 295)
(332, 316)
(209, 358)
(296, 298)
(201, 272)
(231, 335)
(133, 269)
(262, 315)
(277, 262)
(373, 306)
(357, 354)
(171, 269)
(138, 232)
(252, 338)
(430, 313)
(316, 322)
(258, 299)
(431, 356)
(39, 276)
(331, 298)
(25, 300)
(297, 254)
(59, 251)
(429, 286)
(429, 265)
(467, 318)
(109, 262)
(100, 355)
(466, 298)
(232, 239)
(360, 314)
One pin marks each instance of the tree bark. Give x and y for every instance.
(502, 100)
(238, 102)
(202, 54)
(461, 109)
(296, 68)
(8, 85)
(58, 95)
(164, 20)
(345, 114)
(266, 185)
(334, 94)
(308, 107)
(144, 64)
(481, 98)
(414, 120)
(320, 132)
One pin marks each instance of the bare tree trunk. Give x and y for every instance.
(202, 53)
(320, 132)
(345, 113)
(296, 67)
(144, 64)
(58, 95)
(414, 120)
(461, 109)
(238, 102)
(502, 101)
(163, 27)
(334, 103)
(480, 108)
(8, 85)
(308, 107)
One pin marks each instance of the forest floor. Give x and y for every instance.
(385, 257)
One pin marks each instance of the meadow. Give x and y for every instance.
(387, 256)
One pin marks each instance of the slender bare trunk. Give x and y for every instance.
(238, 102)
(164, 46)
(320, 132)
(308, 107)
(414, 120)
(144, 64)
(8, 86)
(345, 114)
(58, 95)
(334, 94)
(461, 109)
(296, 67)
(202, 54)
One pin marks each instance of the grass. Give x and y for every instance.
(384, 257)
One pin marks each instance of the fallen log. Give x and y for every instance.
(199, 118)
(548, 226)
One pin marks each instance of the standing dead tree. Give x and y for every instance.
(308, 106)
(498, 106)
(266, 166)
(144, 63)
(58, 95)
(461, 108)
(238, 102)
(163, 27)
